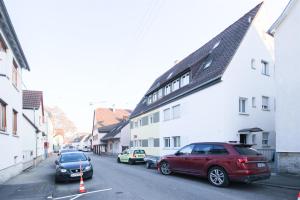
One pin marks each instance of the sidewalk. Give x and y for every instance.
(283, 181)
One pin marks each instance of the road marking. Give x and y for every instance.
(75, 196)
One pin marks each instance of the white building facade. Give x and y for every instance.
(286, 33)
(12, 61)
(196, 101)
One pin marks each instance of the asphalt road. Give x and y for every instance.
(113, 181)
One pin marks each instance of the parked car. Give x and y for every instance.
(69, 164)
(66, 151)
(131, 156)
(219, 162)
(151, 161)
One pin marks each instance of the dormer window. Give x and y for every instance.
(154, 96)
(185, 79)
(175, 85)
(160, 93)
(168, 89)
(149, 99)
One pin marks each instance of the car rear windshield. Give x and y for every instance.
(139, 151)
(72, 157)
(246, 150)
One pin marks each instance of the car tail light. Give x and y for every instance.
(242, 160)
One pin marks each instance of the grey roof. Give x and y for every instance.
(32, 99)
(115, 131)
(106, 129)
(229, 40)
(11, 37)
(254, 129)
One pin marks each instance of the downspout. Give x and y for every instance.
(36, 138)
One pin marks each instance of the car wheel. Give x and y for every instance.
(131, 162)
(165, 168)
(118, 160)
(217, 176)
(148, 165)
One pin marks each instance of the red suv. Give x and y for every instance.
(219, 162)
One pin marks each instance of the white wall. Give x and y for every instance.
(240, 80)
(124, 137)
(10, 146)
(287, 61)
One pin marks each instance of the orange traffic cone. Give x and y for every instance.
(81, 186)
(299, 196)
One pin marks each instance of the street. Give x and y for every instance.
(122, 181)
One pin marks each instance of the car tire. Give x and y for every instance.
(118, 160)
(217, 176)
(131, 162)
(148, 165)
(165, 168)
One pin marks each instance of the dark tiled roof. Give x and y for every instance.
(32, 99)
(106, 129)
(228, 42)
(115, 131)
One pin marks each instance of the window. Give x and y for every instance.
(253, 102)
(265, 103)
(167, 114)
(149, 99)
(160, 93)
(135, 143)
(176, 111)
(218, 150)
(15, 74)
(3, 46)
(154, 96)
(244, 150)
(176, 141)
(186, 150)
(144, 143)
(136, 124)
(202, 149)
(140, 122)
(242, 105)
(131, 125)
(253, 139)
(15, 122)
(168, 89)
(151, 142)
(175, 85)
(2, 116)
(253, 63)
(265, 68)
(156, 117)
(156, 142)
(150, 119)
(185, 79)
(144, 121)
(265, 138)
(139, 143)
(166, 142)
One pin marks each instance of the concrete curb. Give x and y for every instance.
(279, 186)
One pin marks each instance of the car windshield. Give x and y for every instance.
(139, 151)
(72, 157)
(246, 150)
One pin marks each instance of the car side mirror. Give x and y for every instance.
(177, 153)
(56, 162)
(89, 159)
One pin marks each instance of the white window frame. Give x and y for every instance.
(185, 80)
(3, 116)
(151, 142)
(240, 108)
(168, 89)
(253, 63)
(154, 97)
(167, 114)
(167, 140)
(149, 99)
(265, 103)
(253, 102)
(253, 138)
(160, 93)
(175, 85)
(176, 141)
(265, 141)
(265, 68)
(173, 113)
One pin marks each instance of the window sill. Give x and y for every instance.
(266, 74)
(3, 133)
(246, 114)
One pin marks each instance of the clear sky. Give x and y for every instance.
(110, 51)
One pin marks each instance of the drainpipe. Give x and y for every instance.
(36, 138)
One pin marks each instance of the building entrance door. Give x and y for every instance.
(243, 138)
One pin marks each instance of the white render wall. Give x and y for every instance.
(124, 137)
(287, 76)
(10, 146)
(241, 80)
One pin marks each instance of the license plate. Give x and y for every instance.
(75, 174)
(261, 164)
(140, 156)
